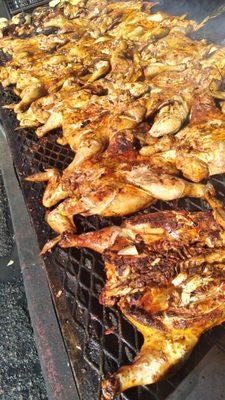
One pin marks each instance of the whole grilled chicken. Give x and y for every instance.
(117, 183)
(166, 271)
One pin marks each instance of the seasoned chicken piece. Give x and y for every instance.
(198, 149)
(45, 79)
(46, 113)
(91, 128)
(170, 117)
(174, 92)
(175, 50)
(145, 250)
(173, 104)
(171, 321)
(88, 116)
(166, 271)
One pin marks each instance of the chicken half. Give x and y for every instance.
(117, 183)
(166, 271)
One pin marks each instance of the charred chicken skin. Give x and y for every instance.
(166, 272)
(117, 183)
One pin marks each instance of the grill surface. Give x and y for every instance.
(80, 274)
(16, 6)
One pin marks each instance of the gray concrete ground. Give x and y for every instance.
(20, 373)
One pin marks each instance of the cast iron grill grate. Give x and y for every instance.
(80, 274)
(16, 6)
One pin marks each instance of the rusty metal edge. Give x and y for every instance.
(56, 368)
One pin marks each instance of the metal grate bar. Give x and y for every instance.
(17, 6)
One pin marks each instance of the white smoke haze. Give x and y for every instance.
(214, 30)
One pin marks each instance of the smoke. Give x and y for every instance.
(214, 30)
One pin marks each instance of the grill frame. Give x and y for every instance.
(67, 325)
(17, 6)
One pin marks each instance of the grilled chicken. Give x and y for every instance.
(172, 104)
(116, 77)
(89, 120)
(198, 149)
(117, 183)
(166, 271)
(86, 41)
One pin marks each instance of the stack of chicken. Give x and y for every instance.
(141, 104)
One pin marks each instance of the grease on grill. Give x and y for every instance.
(82, 275)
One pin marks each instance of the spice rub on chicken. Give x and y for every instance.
(60, 54)
(116, 183)
(166, 272)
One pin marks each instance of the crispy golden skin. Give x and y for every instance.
(106, 71)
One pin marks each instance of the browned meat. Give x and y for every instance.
(87, 41)
(198, 149)
(166, 271)
(117, 183)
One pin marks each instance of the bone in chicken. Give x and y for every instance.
(172, 104)
(110, 186)
(115, 39)
(198, 149)
(166, 272)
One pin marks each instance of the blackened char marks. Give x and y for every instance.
(4, 58)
